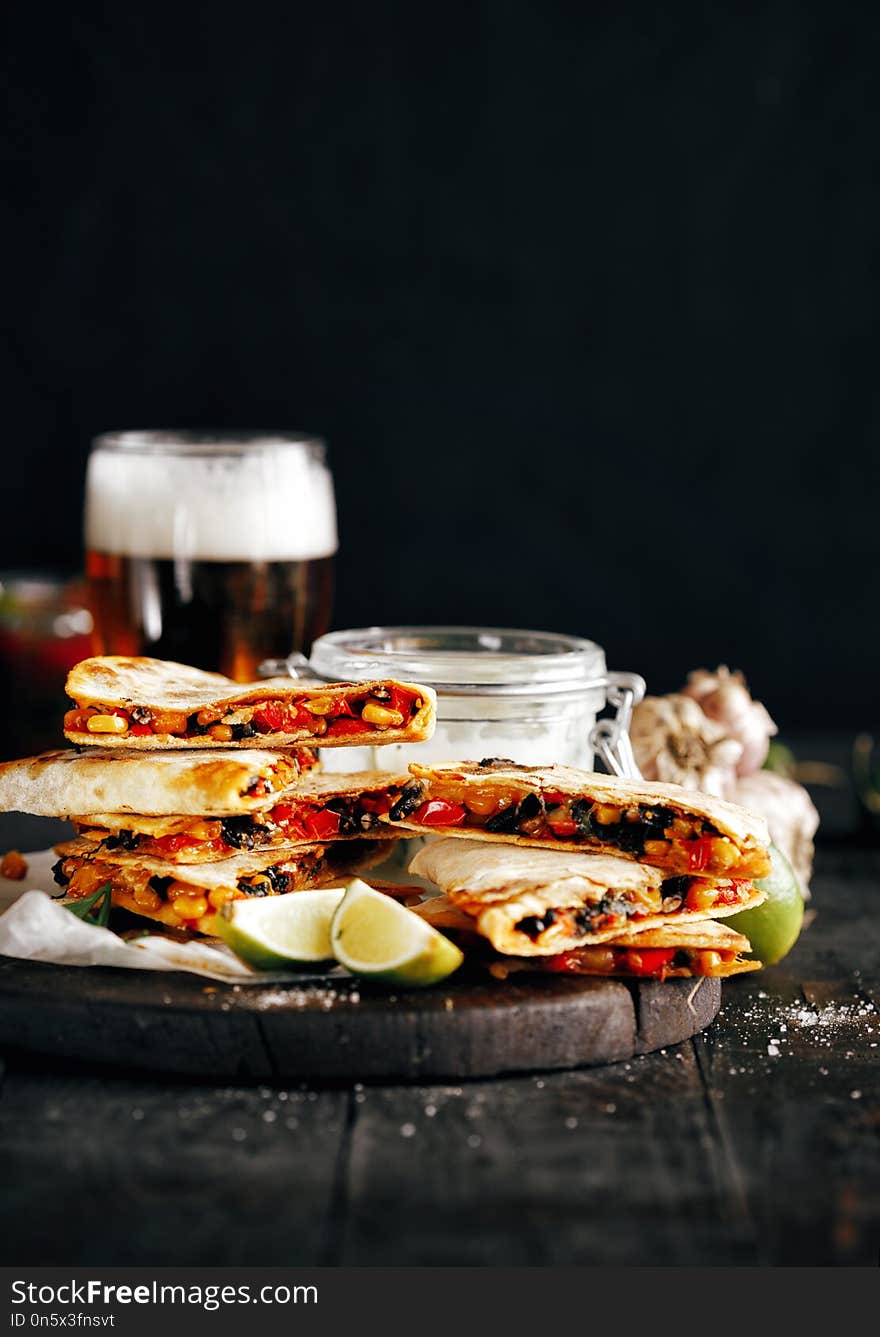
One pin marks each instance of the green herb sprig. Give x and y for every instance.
(94, 909)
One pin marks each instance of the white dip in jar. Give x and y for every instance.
(532, 696)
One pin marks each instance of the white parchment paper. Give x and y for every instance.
(36, 928)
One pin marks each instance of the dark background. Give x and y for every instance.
(581, 296)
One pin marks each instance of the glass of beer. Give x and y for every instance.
(212, 549)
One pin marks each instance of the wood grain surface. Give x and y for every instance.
(338, 1028)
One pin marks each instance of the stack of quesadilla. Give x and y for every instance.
(556, 869)
(188, 790)
(176, 829)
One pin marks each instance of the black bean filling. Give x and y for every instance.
(585, 917)
(141, 715)
(625, 835)
(488, 762)
(349, 824)
(241, 832)
(676, 886)
(534, 925)
(409, 800)
(160, 884)
(59, 874)
(272, 882)
(504, 822)
(122, 840)
(509, 820)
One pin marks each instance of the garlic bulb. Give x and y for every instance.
(673, 740)
(724, 697)
(790, 814)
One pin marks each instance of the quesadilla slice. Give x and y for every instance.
(692, 950)
(220, 783)
(153, 703)
(557, 807)
(531, 902)
(319, 808)
(187, 896)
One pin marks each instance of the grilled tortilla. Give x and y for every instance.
(560, 808)
(319, 808)
(670, 951)
(531, 902)
(237, 780)
(188, 895)
(153, 703)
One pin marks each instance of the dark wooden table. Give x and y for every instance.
(757, 1142)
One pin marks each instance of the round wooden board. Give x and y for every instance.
(337, 1029)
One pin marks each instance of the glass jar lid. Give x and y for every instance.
(465, 661)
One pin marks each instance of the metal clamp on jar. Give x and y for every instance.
(532, 696)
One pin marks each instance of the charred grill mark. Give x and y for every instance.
(488, 762)
(409, 800)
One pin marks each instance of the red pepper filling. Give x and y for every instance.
(337, 717)
(354, 815)
(440, 812)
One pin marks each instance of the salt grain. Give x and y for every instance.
(407, 1130)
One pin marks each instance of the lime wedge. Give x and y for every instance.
(375, 937)
(271, 931)
(773, 928)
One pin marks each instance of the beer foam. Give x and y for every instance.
(263, 505)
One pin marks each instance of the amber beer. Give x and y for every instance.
(210, 550)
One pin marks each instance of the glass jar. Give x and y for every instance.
(533, 696)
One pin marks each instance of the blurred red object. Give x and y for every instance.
(45, 628)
